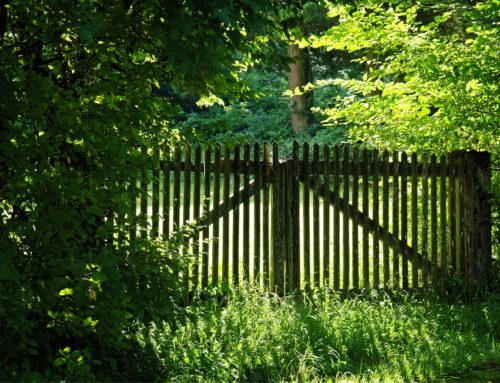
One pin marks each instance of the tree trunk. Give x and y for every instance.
(300, 75)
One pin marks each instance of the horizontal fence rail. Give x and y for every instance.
(341, 218)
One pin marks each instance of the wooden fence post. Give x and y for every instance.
(478, 239)
(287, 220)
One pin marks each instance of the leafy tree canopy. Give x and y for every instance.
(431, 80)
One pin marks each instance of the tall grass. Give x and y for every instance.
(252, 337)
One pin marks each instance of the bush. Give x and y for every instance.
(72, 279)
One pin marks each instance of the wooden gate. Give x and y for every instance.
(341, 218)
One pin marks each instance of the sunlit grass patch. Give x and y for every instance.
(258, 337)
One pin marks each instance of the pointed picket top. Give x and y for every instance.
(316, 149)
(295, 150)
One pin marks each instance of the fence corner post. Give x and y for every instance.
(479, 164)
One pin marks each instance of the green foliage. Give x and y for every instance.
(254, 337)
(76, 104)
(264, 117)
(430, 85)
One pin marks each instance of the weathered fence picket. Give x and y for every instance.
(246, 212)
(195, 269)
(326, 216)
(155, 225)
(365, 203)
(315, 214)
(339, 218)
(395, 222)
(425, 219)
(376, 232)
(442, 223)
(225, 223)
(186, 206)
(277, 226)
(345, 222)
(355, 223)
(404, 215)
(205, 265)
(336, 218)
(385, 216)
(305, 217)
(434, 221)
(166, 192)
(257, 260)
(414, 221)
(216, 224)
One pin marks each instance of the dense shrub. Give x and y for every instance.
(71, 279)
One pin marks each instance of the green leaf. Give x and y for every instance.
(98, 99)
(59, 362)
(87, 321)
(66, 291)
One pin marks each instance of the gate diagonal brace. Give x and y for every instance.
(393, 241)
(225, 207)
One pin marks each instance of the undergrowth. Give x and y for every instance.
(254, 337)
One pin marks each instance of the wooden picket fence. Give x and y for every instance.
(342, 218)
